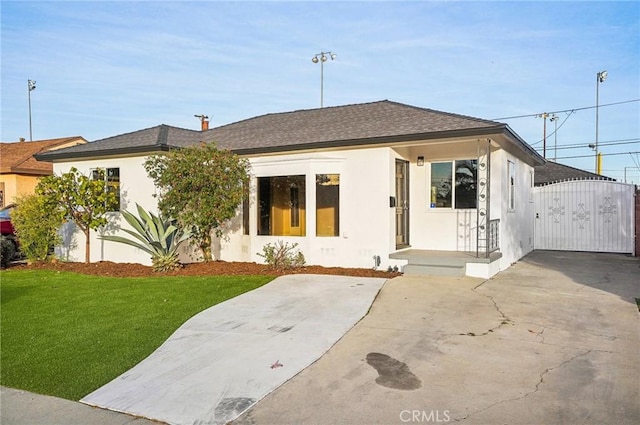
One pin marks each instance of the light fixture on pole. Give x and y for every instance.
(554, 120)
(600, 77)
(31, 86)
(322, 58)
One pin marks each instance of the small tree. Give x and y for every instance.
(79, 198)
(201, 187)
(36, 221)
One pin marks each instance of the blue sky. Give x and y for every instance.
(111, 67)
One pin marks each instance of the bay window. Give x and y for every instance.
(281, 206)
(327, 204)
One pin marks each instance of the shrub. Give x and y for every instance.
(281, 255)
(7, 251)
(156, 236)
(36, 225)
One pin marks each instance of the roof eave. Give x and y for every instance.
(536, 158)
(371, 141)
(54, 156)
(28, 171)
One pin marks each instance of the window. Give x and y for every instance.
(454, 184)
(511, 175)
(281, 206)
(327, 204)
(112, 178)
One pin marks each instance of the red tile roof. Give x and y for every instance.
(18, 157)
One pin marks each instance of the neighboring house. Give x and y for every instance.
(552, 172)
(20, 171)
(359, 185)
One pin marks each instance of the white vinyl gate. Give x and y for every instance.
(585, 215)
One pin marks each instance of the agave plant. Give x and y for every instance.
(154, 235)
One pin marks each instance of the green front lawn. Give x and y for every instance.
(67, 334)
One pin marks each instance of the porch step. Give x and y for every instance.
(434, 270)
(440, 263)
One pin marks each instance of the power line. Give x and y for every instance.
(586, 144)
(633, 139)
(556, 129)
(583, 145)
(567, 110)
(603, 154)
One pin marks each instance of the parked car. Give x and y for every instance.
(6, 227)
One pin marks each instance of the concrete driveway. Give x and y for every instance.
(555, 339)
(224, 359)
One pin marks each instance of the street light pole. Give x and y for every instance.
(31, 86)
(322, 58)
(600, 77)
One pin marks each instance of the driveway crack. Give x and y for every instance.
(505, 319)
(527, 394)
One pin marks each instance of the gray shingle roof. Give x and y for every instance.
(553, 172)
(160, 137)
(349, 125)
(340, 125)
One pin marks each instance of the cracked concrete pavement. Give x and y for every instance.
(554, 339)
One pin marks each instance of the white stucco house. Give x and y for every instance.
(378, 184)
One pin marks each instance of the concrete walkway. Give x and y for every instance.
(555, 339)
(19, 407)
(225, 359)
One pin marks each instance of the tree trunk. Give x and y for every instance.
(205, 247)
(87, 250)
(206, 252)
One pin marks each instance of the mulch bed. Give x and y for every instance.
(108, 268)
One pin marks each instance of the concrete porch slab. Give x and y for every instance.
(421, 262)
(443, 258)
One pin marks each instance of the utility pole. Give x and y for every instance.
(544, 116)
(554, 119)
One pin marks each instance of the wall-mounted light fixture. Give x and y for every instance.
(420, 161)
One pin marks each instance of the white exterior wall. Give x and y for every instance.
(367, 222)
(516, 226)
(440, 229)
(366, 219)
(455, 230)
(135, 187)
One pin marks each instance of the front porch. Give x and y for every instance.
(422, 262)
